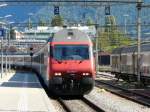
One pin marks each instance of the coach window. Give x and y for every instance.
(42, 58)
(146, 59)
(114, 61)
(51, 51)
(129, 59)
(124, 59)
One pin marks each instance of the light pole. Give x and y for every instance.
(1, 56)
(125, 22)
(9, 67)
(96, 49)
(6, 53)
(2, 35)
(6, 16)
(139, 5)
(1, 23)
(31, 54)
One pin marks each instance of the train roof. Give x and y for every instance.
(70, 35)
(117, 51)
(131, 49)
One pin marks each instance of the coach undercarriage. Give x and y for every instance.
(132, 77)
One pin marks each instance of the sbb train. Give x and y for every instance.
(124, 63)
(66, 63)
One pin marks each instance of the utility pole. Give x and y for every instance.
(31, 54)
(125, 23)
(6, 39)
(96, 48)
(2, 53)
(139, 6)
(8, 48)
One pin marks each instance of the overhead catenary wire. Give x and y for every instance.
(68, 2)
(75, 1)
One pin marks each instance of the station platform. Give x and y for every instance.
(22, 92)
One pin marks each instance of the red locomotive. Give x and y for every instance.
(66, 63)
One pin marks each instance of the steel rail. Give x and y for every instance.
(105, 76)
(95, 107)
(84, 100)
(64, 105)
(131, 95)
(61, 101)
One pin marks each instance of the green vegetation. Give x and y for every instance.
(57, 21)
(90, 22)
(110, 37)
(42, 22)
(29, 24)
(12, 33)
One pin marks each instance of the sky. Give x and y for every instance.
(21, 12)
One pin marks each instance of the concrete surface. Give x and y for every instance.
(22, 92)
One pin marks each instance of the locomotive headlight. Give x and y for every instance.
(57, 74)
(86, 74)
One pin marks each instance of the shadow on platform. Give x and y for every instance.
(22, 80)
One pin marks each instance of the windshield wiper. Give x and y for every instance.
(81, 61)
(59, 61)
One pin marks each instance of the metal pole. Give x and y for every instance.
(6, 55)
(139, 40)
(125, 23)
(125, 26)
(1, 57)
(8, 48)
(96, 49)
(31, 54)
(31, 63)
(23, 60)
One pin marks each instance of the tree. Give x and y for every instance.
(111, 37)
(90, 22)
(42, 22)
(57, 21)
(12, 33)
(29, 24)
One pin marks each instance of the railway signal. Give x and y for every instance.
(31, 54)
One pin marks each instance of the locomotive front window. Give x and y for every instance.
(71, 52)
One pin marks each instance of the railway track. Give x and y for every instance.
(71, 105)
(79, 105)
(125, 93)
(105, 75)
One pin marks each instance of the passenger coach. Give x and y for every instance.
(124, 63)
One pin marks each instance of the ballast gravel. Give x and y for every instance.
(113, 103)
